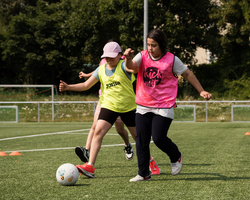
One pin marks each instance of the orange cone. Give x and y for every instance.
(15, 153)
(247, 133)
(3, 153)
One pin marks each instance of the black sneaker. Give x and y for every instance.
(129, 152)
(82, 153)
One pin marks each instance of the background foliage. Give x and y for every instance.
(44, 41)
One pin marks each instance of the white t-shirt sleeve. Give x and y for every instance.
(137, 58)
(179, 68)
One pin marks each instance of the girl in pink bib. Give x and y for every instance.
(156, 93)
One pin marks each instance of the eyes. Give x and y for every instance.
(152, 45)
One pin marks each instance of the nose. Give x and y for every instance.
(149, 47)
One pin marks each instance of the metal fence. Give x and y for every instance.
(201, 111)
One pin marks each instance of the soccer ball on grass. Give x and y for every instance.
(67, 174)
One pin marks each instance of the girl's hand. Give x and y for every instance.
(63, 86)
(206, 95)
(82, 75)
(129, 54)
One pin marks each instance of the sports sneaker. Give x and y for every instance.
(140, 178)
(176, 167)
(87, 170)
(82, 153)
(154, 167)
(129, 152)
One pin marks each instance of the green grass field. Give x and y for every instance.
(216, 163)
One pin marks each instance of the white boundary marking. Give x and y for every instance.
(50, 149)
(43, 134)
(55, 133)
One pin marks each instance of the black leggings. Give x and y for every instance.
(110, 116)
(148, 125)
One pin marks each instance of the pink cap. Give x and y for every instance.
(111, 50)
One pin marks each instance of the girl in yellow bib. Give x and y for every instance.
(117, 99)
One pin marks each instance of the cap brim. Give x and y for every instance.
(109, 55)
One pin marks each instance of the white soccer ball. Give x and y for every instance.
(67, 174)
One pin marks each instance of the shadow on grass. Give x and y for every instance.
(187, 164)
(188, 176)
(205, 177)
(202, 177)
(76, 185)
(211, 176)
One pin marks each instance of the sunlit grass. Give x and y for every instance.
(215, 163)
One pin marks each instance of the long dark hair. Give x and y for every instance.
(158, 36)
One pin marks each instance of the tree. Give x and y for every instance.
(53, 40)
(234, 24)
(187, 25)
(33, 46)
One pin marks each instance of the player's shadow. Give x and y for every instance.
(182, 176)
(77, 185)
(188, 164)
(202, 177)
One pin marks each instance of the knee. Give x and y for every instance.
(119, 130)
(93, 127)
(157, 140)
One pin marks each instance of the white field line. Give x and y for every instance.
(63, 148)
(43, 134)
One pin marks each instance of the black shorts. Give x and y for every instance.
(110, 116)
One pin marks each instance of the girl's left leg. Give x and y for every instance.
(160, 126)
(120, 129)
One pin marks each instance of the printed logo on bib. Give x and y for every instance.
(152, 76)
(109, 85)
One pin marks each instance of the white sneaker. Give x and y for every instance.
(176, 167)
(140, 178)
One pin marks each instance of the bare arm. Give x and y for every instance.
(129, 63)
(194, 81)
(134, 71)
(83, 75)
(79, 86)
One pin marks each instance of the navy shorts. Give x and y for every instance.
(110, 116)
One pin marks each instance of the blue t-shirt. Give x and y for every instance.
(111, 72)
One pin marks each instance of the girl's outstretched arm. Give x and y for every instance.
(194, 81)
(79, 86)
(83, 75)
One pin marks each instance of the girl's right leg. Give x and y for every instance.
(143, 137)
(105, 121)
(81, 152)
(102, 127)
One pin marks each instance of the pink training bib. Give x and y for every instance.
(157, 86)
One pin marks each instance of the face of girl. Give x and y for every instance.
(113, 62)
(154, 48)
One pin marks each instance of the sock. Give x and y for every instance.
(89, 163)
